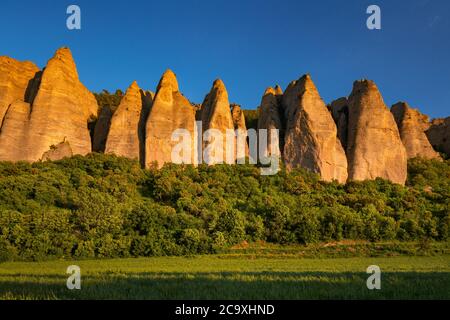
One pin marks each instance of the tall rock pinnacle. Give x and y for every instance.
(170, 111)
(126, 135)
(60, 111)
(271, 116)
(412, 125)
(311, 136)
(374, 145)
(216, 114)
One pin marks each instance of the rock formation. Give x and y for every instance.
(311, 135)
(374, 145)
(412, 125)
(60, 111)
(126, 135)
(170, 111)
(49, 115)
(238, 117)
(339, 111)
(14, 131)
(216, 114)
(270, 117)
(241, 128)
(15, 79)
(60, 151)
(439, 135)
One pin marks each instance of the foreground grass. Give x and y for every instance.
(245, 275)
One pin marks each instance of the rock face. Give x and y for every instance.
(238, 117)
(311, 135)
(60, 111)
(439, 135)
(15, 82)
(14, 131)
(374, 145)
(126, 135)
(170, 111)
(239, 126)
(216, 114)
(101, 129)
(271, 117)
(339, 111)
(412, 125)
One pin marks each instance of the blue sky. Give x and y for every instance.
(249, 44)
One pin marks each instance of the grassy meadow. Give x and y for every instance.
(325, 271)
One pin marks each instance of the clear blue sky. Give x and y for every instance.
(250, 44)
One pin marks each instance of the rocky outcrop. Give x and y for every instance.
(241, 131)
(170, 111)
(60, 111)
(311, 136)
(374, 145)
(216, 114)
(439, 135)
(60, 151)
(126, 135)
(238, 117)
(14, 131)
(339, 111)
(49, 114)
(101, 129)
(15, 82)
(412, 125)
(270, 117)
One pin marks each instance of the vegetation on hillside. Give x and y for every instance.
(106, 206)
(251, 118)
(107, 99)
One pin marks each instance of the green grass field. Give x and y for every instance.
(240, 274)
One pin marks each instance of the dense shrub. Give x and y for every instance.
(106, 206)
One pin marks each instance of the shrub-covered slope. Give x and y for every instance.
(105, 206)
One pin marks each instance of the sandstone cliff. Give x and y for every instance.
(126, 136)
(412, 125)
(46, 115)
(238, 117)
(170, 111)
(216, 114)
(15, 82)
(270, 117)
(439, 135)
(311, 135)
(60, 111)
(241, 128)
(14, 132)
(374, 145)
